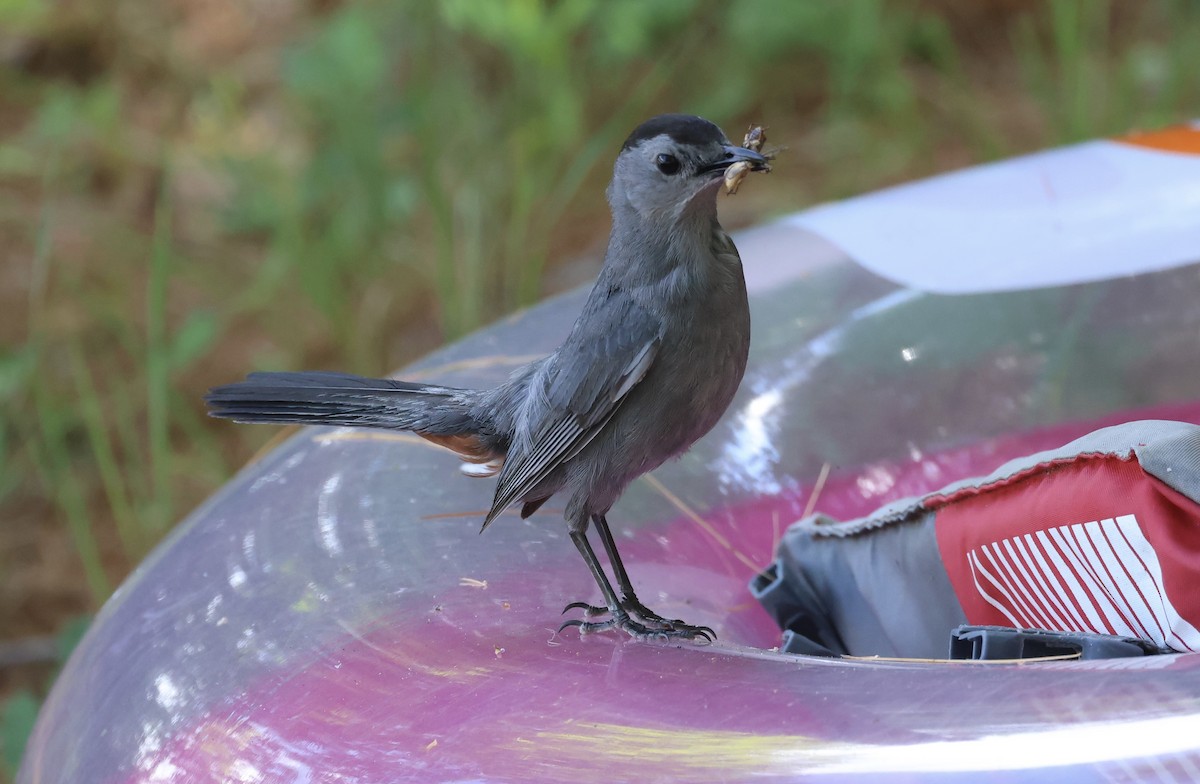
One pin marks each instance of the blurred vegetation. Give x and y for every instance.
(190, 189)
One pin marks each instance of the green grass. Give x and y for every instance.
(317, 199)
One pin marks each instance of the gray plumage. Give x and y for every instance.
(650, 365)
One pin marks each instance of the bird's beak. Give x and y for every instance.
(731, 155)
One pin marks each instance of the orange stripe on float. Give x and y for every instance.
(1177, 138)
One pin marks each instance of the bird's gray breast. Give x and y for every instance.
(698, 368)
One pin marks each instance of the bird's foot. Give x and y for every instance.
(630, 605)
(648, 625)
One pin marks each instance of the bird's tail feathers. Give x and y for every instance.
(319, 398)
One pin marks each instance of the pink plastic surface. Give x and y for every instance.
(333, 614)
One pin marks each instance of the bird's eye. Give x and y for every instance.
(667, 164)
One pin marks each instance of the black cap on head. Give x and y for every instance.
(683, 128)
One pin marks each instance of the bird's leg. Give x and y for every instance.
(618, 607)
(629, 599)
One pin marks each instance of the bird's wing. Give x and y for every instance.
(586, 382)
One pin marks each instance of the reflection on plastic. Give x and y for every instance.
(333, 615)
(1047, 747)
(1087, 212)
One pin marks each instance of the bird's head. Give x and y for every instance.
(673, 164)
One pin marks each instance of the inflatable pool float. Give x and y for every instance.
(332, 615)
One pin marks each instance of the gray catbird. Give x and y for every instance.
(649, 367)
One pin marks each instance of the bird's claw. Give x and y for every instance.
(590, 610)
(661, 629)
(634, 608)
(640, 631)
(639, 610)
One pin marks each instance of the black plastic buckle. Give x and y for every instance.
(1004, 642)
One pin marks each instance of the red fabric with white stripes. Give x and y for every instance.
(1088, 544)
